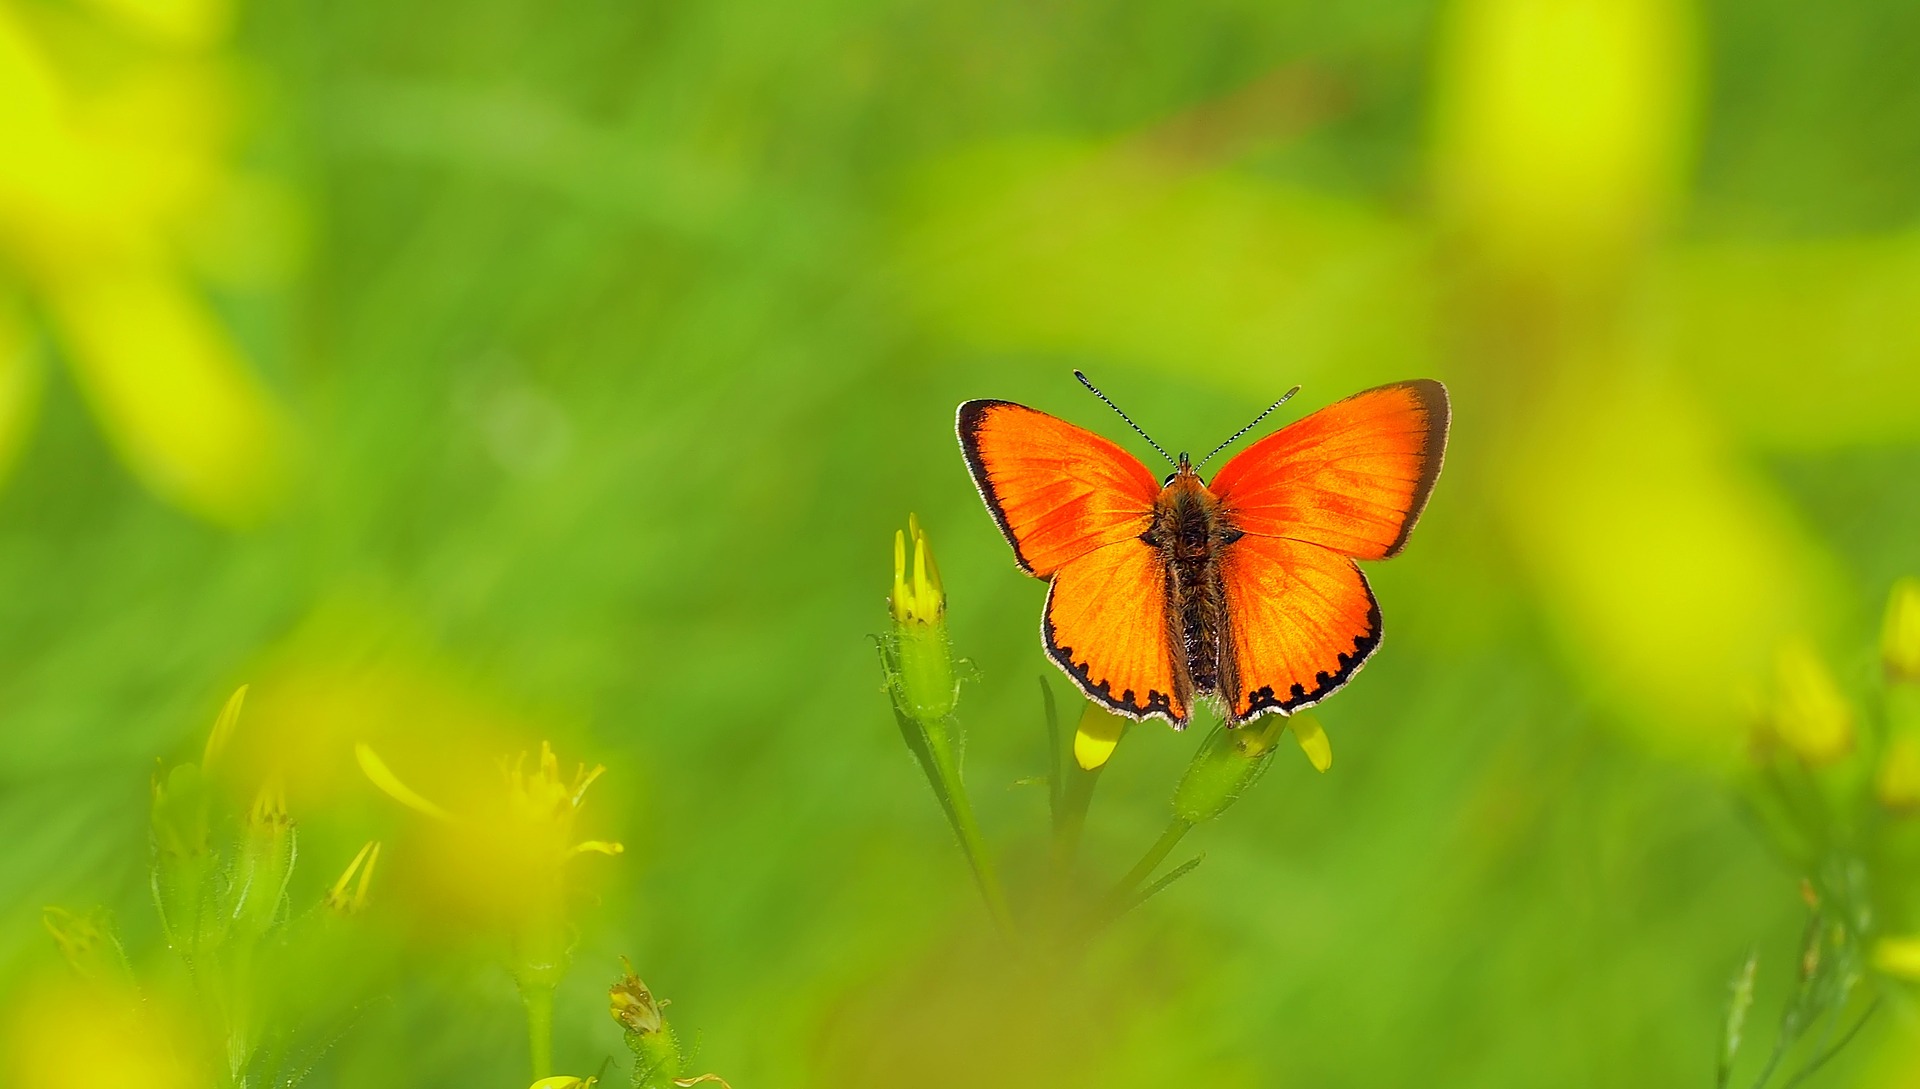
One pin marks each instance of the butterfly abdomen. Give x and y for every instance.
(1189, 531)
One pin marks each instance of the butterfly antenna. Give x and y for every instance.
(1136, 427)
(1256, 423)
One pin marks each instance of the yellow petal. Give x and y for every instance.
(380, 775)
(1313, 740)
(1096, 737)
(562, 1081)
(1898, 956)
(172, 391)
(598, 846)
(338, 899)
(223, 726)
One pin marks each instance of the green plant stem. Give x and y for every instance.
(1055, 786)
(1151, 861)
(1070, 819)
(539, 1003)
(1117, 908)
(944, 765)
(1822, 1059)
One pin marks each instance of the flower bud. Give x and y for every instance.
(1810, 715)
(633, 1005)
(266, 861)
(1228, 762)
(1896, 782)
(656, 1052)
(918, 656)
(88, 943)
(1900, 639)
(183, 864)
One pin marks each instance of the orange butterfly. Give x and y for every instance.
(1242, 587)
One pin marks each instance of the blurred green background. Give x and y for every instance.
(467, 375)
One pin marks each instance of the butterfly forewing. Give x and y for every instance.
(1056, 490)
(1352, 477)
(1074, 507)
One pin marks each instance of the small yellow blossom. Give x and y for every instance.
(564, 1081)
(115, 171)
(1900, 639)
(1898, 956)
(1810, 715)
(1313, 740)
(544, 798)
(1897, 781)
(1097, 735)
(78, 1033)
(511, 847)
(921, 598)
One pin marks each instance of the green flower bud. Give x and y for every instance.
(184, 872)
(1229, 761)
(656, 1051)
(266, 861)
(88, 943)
(919, 658)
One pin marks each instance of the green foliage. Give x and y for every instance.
(609, 343)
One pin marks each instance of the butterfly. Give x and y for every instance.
(1242, 588)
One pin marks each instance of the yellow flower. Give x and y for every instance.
(73, 1033)
(1898, 956)
(1897, 781)
(1097, 735)
(544, 799)
(1900, 639)
(503, 856)
(1312, 739)
(1810, 715)
(921, 598)
(111, 179)
(564, 1081)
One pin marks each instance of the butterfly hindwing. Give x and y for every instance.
(1056, 490)
(1352, 477)
(1302, 622)
(1106, 625)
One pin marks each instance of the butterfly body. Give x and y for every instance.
(1189, 532)
(1242, 588)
